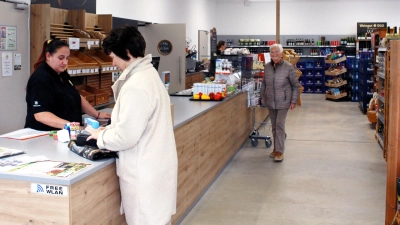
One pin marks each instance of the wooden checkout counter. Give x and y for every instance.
(208, 135)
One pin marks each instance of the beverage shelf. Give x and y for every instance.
(381, 98)
(335, 73)
(336, 85)
(336, 60)
(341, 95)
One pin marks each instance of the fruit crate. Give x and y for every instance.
(101, 96)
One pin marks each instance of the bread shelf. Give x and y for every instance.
(105, 61)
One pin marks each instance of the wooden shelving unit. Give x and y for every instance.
(47, 23)
(336, 85)
(393, 132)
(335, 97)
(382, 88)
(54, 23)
(336, 74)
(341, 59)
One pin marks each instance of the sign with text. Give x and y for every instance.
(49, 189)
(8, 38)
(363, 28)
(164, 47)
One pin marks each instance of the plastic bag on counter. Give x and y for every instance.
(91, 152)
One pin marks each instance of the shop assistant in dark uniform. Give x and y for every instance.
(51, 98)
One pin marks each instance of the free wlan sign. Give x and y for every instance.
(49, 189)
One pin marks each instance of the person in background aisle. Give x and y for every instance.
(51, 98)
(279, 92)
(141, 130)
(221, 46)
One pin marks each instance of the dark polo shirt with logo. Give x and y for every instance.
(49, 92)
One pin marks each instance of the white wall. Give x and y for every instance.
(12, 89)
(196, 14)
(303, 16)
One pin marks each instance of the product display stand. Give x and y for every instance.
(393, 132)
(337, 83)
(383, 95)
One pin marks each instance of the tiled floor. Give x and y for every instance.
(333, 173)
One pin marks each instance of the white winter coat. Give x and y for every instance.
(141, 130)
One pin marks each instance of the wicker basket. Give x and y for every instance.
(291, 56)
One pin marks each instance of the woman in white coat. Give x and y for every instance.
(141, 130)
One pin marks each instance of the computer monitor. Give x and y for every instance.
(155, 61)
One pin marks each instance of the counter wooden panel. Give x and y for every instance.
(393, 154)
(192, 78)
(94, 200)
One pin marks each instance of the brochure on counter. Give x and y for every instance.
(6, 152)
(41, 166)
(24, 134)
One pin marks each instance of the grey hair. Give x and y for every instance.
(279, 46)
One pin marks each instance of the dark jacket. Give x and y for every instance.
(280, 86)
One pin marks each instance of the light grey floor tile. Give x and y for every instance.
(333, 173)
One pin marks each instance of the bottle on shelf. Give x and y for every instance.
(388, 35)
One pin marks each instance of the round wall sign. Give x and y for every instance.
(164, 47)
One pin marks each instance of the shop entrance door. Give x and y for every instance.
(173, 59)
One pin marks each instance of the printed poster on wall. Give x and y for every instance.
(6, 64)
(17, 61)
(8, 40)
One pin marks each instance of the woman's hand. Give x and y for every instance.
(104, 115)
(292, 105)
(94, 133)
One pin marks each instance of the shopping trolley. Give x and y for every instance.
(252, 87)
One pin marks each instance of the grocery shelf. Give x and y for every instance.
(341, 59)
(381, 117)
(336, 73)
(382, 49)
(336, 85)
(381, 98)
(341, 95)
(381, 75)
(379, 136)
